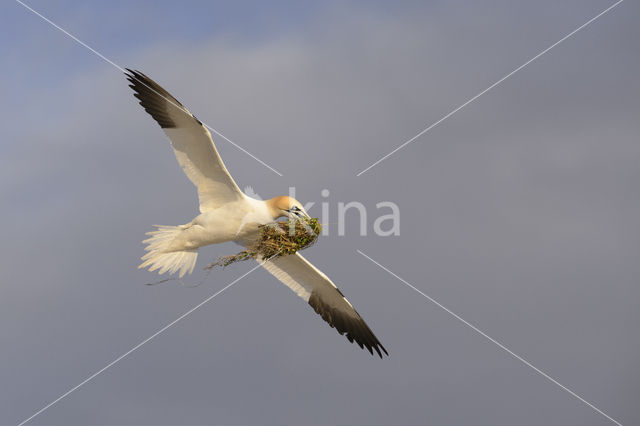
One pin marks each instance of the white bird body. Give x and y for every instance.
(173, 248)
(235, 221)
(228, 214)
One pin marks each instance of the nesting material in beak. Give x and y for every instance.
(277, 239)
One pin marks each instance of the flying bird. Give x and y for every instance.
(228, 214)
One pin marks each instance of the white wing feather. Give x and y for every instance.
(191, 142)
(325, 298)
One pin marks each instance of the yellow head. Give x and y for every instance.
(284, 206)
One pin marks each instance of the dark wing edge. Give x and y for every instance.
(355, 327)
(155, 99)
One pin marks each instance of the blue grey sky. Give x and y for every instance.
(519, 213)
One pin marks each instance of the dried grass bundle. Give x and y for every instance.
(277, 239)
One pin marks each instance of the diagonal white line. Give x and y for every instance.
(112, 363)
(491, 87)
(109, 61)
(491, 339)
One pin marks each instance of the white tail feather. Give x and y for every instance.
(158, 256)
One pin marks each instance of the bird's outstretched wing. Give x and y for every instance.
(191, 142)
(316, 288)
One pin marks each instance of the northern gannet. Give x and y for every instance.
(227, 214)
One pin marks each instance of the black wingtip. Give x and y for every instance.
(377, 346)
(154, 98)
(351, 325)
(131, 74)
(383, 350)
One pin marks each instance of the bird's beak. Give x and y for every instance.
(297, 214)
(303, 213)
